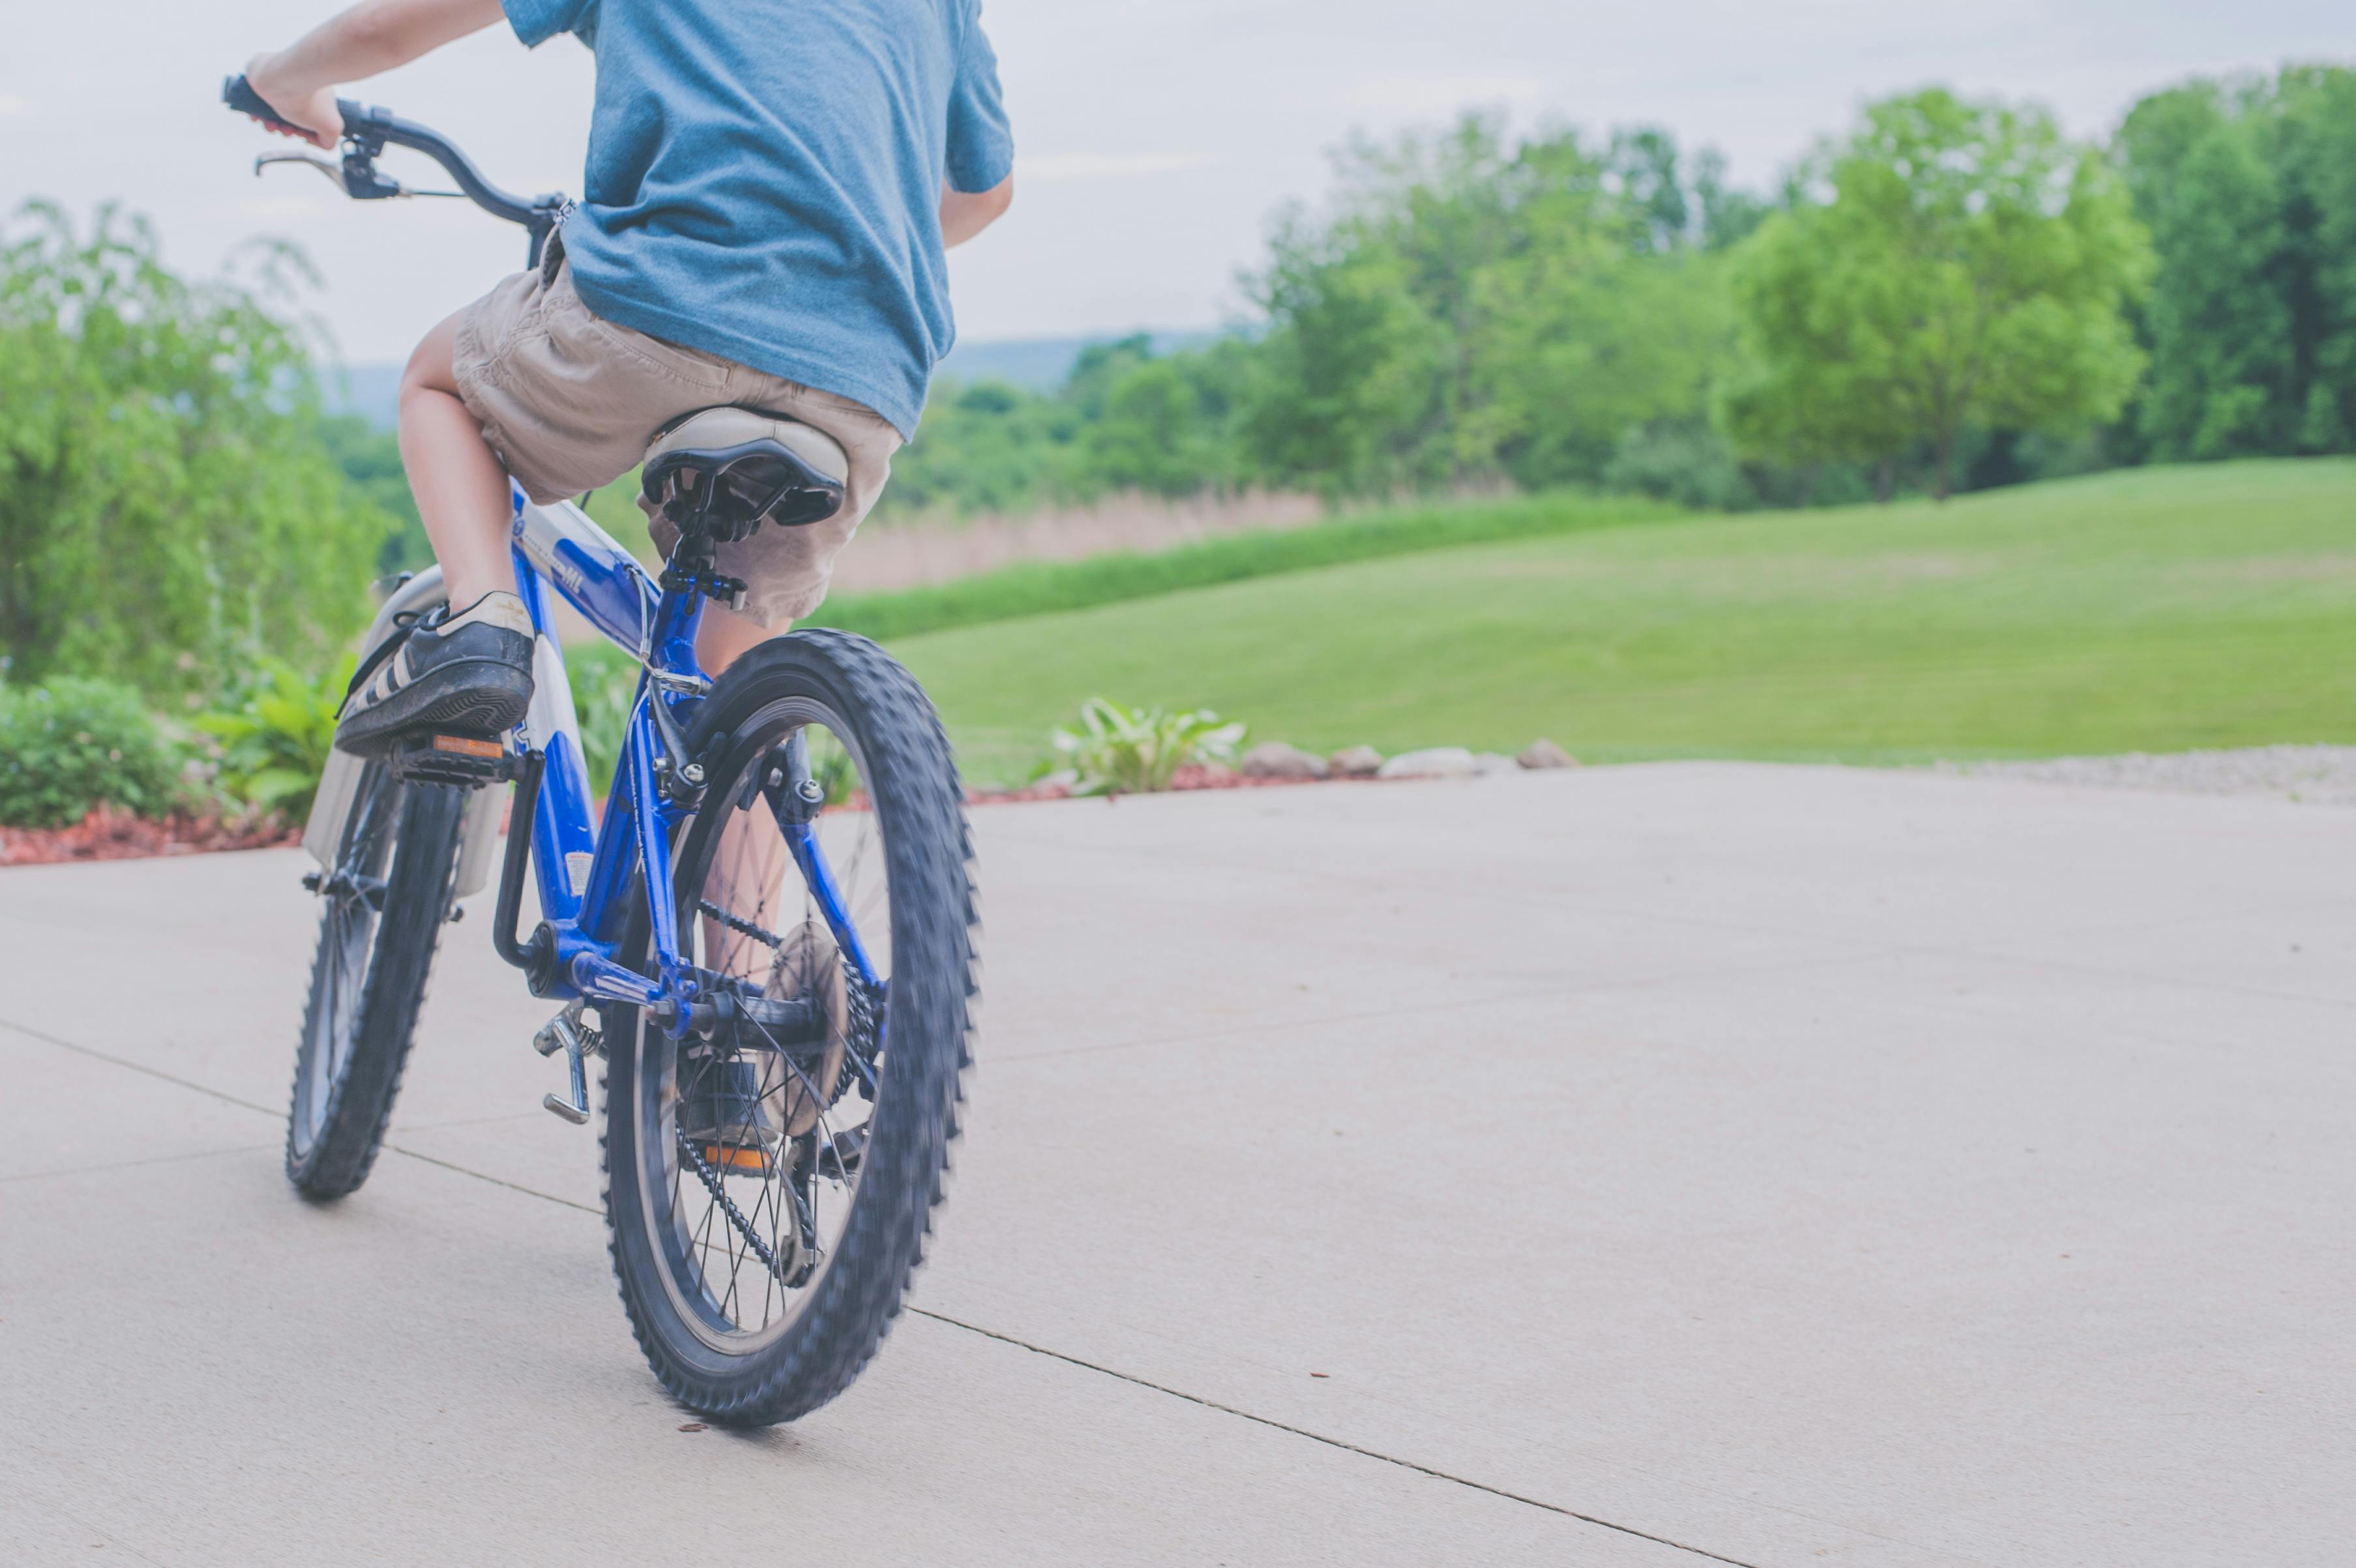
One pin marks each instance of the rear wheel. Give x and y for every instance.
(386, 899)
(769, 1192)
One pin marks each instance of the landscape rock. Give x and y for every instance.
(1432, 762)
(1358, 762)
(1485, 763)
(1546, 753)
(1274, 759)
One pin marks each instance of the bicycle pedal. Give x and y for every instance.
(468, 760)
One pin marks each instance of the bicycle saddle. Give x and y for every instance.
(723, 472)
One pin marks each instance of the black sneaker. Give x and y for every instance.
(724, 1116)
(468, 672)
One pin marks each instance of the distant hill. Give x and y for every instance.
(1037, 364)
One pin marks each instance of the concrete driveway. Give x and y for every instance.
(1660, 1165)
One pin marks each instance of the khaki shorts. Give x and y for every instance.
(570, 402)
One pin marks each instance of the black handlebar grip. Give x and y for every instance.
(239, 96)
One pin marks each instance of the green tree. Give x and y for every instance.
(166, 511)
(1604, 318)
(989, 446)
(2222, 341)
(1167, 425)
(1349, 400)
(2325, 176)
(1477, 308)
(1089, 386)
(1952, 264)
(2249, 189)
(1729, 215)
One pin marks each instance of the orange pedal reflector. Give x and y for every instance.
(469, 745)
(735, 1157)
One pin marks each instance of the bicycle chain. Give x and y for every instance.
(742, 927)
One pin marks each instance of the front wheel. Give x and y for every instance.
(386, 898)
(768, 1193)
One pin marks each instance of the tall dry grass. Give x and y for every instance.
(917, 553)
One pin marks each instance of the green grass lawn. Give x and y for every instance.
(2156, 610)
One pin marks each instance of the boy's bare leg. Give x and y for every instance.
(724, 636)
(750, 867)
(469, 670)
(459, 482)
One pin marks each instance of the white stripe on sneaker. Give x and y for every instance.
(497, 609)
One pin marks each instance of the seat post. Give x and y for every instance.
(690, 569)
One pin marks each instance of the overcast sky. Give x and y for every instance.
(1155, 137)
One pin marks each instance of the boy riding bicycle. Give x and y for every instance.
(770, 187)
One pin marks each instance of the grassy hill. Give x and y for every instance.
(2146, 610)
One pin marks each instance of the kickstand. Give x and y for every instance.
(564, 1032)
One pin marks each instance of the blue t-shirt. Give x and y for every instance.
(765, 176)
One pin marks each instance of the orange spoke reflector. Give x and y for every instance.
(466, 746)
(736, 1158)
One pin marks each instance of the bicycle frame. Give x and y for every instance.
(584, 875)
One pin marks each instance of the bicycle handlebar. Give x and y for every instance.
(368, 130)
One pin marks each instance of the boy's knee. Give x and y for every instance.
(430, 367)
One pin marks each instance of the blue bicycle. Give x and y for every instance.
(768, 938)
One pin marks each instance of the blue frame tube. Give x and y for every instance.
(610, 869)
(654, 843)
(559, 548)
(596, 575)
(560, 828)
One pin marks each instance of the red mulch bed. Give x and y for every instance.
(110, 835)
(107, 834)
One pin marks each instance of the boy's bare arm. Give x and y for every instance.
(964, 215)
(374, 36)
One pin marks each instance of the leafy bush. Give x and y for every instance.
(1134, 751)
(78, 743)
(275, 740)
(166, 507)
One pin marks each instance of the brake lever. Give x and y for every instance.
(357, 177)
(313, 160)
